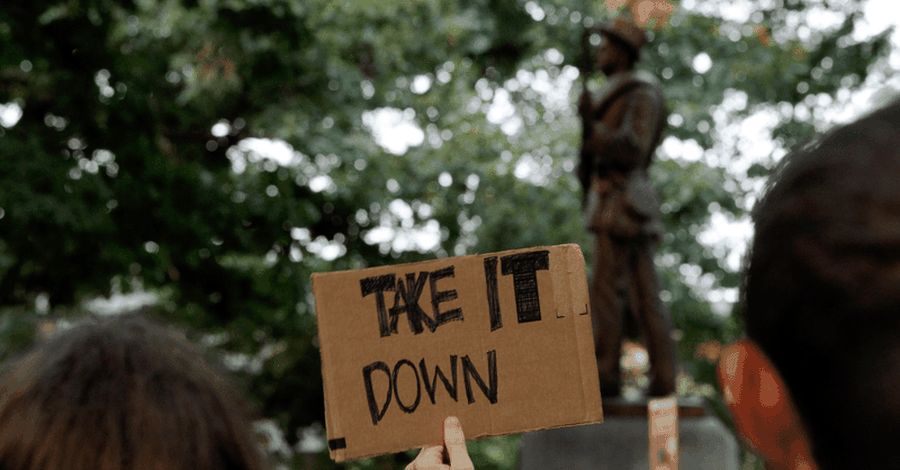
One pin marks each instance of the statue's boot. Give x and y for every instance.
(610, 389)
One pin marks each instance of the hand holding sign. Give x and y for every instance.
(431, 457)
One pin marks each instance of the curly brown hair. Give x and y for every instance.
(122, 394)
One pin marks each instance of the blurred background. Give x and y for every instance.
(200, 159)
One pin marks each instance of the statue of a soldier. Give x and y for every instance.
(621, 130)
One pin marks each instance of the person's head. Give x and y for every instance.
(620, 46)
(122, 394)
(819, 372)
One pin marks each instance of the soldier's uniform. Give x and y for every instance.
(621, 130)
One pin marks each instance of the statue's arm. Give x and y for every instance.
(626, 148)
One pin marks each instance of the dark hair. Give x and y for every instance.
(122, 394)
(822, 291)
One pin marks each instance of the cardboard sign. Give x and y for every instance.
(502, 341)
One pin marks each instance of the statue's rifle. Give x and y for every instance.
(586, 64)
(586, 67)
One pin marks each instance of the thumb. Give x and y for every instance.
(455, 442)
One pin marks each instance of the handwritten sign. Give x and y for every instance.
(503, 341)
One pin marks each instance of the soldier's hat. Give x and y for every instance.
(627, 31)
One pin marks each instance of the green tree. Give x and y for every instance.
(131, 167)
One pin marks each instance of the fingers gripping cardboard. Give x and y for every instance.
(503, 341)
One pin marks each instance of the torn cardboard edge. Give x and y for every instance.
(503, 341)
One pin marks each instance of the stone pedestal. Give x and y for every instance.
(621, 442)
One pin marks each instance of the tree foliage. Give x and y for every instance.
(130, 169)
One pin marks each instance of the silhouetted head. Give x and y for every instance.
(822, 293)
(121, 394)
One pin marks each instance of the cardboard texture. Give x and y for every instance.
(503, 341)
(663, 434)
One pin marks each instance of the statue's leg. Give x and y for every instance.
(654, 318)
(606, 312)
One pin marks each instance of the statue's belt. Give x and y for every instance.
(609, 182)
(635, 191)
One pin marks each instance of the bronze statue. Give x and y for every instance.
(621, 129)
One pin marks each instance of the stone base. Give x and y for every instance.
(621, 442)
